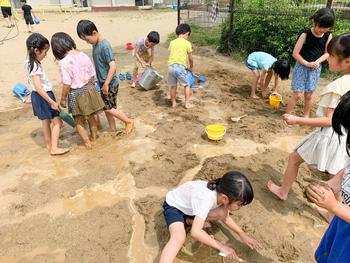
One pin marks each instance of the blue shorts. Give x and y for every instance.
(251, 67)
(305, 79)
(178, 73)
(334, 246)
(172, 214)
(41, 108)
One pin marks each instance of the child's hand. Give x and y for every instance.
(105, 89)
(290, 119)
(55, 106)
(250, 242)
(229, 253)
(322, 196)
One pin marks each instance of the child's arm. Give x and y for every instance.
(199, 234)
(325, 198)
(110, 74)
(277, 84)
(250, 242)
(42, 92)
(65, 91)
(190, 60)
(150, 56)
(312, 122)
(297, 49)
(143, 63)
(325, 55)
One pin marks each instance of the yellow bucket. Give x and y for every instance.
(275, 100)
(215, 132)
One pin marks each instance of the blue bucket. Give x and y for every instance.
(20, 90)
(36, 20)
(191, 78)
(97, 86)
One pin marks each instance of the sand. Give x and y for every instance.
(104, 205)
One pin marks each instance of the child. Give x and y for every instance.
(78, 79)
(197, 203)
(268, 65)
(180, 50)
(105, 70)
(321, 147)
(7, 12)
(43, 100)
(309, 52)
(334, 246)
(27, 14)
(144, 53)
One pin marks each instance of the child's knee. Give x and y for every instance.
(308, 96)
(295, 158)
(296, 95)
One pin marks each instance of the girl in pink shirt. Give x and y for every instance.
(78, 78)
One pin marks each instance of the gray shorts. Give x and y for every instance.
(178, 72)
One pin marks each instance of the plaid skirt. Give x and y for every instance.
(84, 101)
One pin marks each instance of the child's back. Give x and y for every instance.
(179, 49)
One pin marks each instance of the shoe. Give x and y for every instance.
(128, 75)
(121, 76)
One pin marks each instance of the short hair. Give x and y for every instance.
(24, 1)
(153, 37)
(183, 29)
(61, 44)
(339, 46)
(282, 68)
(86, 28)
(325, 17)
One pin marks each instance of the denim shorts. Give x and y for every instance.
(177, 73)
(305, 79)
(172, 214)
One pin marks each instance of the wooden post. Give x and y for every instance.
(231, 26)
(329, 3)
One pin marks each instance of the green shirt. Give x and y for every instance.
(103, 55)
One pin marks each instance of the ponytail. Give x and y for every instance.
(235, 186)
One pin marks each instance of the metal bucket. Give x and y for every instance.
(150, 78)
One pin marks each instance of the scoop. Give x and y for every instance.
(224, 256)
(237, 119)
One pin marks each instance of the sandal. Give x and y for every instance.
(128, 75)
(121, 76)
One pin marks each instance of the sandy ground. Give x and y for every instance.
(104, 205)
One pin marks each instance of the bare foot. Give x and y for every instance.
(265, 95)
(88, 145)
(174, 104)
(254, 96)
(189, 106)
(129, 126)
(59, 151)
(276, 190)
(325, 214)
(133, 85)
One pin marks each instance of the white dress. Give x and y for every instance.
(323, 148)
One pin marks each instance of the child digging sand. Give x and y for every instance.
(144, 53)
(180, 51)
(197, 203)
(105, 71)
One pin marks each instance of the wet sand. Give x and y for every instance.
(104, 205)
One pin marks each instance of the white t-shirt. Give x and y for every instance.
(37, 70)
(345, 185)
(193, 198)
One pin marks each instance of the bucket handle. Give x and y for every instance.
(215, 136)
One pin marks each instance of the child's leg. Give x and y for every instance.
(98, 122)
(110, 120)
(292, 102)
(289, 177)
(308, 104)
(255, 80)
(176, 241)
(173, 96)
(129, 123)
(93, 127)
(187, 97)
(134, 75)
(47, 133)
(55, 134)
(79, 124)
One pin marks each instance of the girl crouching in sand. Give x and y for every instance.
(44, 102)
(198, 202)
(78, 79)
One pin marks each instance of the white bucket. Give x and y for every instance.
(150, 78)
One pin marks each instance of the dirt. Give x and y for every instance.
(105, 205)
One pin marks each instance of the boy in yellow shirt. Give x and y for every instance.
(6, 12)
(180, 51)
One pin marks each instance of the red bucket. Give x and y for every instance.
(129, 46)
